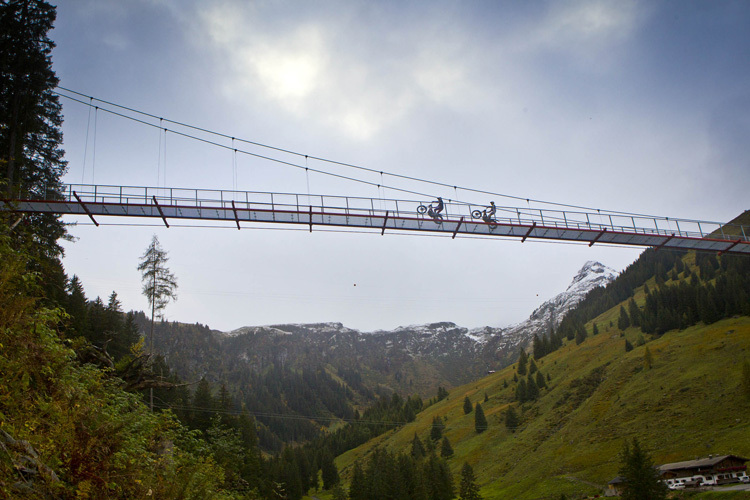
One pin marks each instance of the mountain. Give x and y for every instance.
(550, 314)
(409, 359)
(683, 392)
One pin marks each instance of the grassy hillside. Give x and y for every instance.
(689, 403)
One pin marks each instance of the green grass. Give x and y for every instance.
(688, 404)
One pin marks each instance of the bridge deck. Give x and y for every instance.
(385, 215)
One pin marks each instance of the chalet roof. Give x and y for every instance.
(701, 462)
(617, 480)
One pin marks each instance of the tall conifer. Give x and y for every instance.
(30, 118)
(480, 422)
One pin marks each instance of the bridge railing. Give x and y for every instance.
(377, 207)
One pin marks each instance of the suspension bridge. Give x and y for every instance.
(457, 219)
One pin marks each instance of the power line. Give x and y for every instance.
(321, 159)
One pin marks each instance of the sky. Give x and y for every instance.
(636, 106)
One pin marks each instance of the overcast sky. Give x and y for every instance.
(638, 106)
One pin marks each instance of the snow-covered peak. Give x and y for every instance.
(590, 276)
(549, 315)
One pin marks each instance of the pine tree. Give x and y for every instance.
(480, 422)
(538, 347)
(624, 321)
(417, 448)
(641, 479)
(328, 470)
(486, 398)
(358, 487)
(522, 362)
(580, 334)
(77, 307)
(468, 489)
(628, 346)
(442, 393)
(446, 450)
(203, 406)
(30, 119)
(439, 480)
(532, 367)
(648, 359)
(595, 330)
(540, 383)
(159, 285)
(511, 419)
(521, 391)
(635, 313)
(532, 390)
(437, 428)
(467, 405)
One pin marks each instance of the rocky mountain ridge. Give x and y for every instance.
(408, 359)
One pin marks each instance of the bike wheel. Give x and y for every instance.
(477, 214)
(421, 209)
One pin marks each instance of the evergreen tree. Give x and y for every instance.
(31, 158)
(467, 405)
(532, 390)
(635, 313)
(446, 450)
(439, 481)
(480, 422)
(511, 419)
(486, 398)
(648, 359)
(624, 321)
(436, 432)
(580, 334)
(339, 493)
(358, 486)
(538, 347)
(417, 448)
(328, 470)
(522, 362)
(203, 406)
(77, 307)
(595, 330)
(641, 479)
(468, 489)
(159, 285)
(540, 383)
(532, 367)
(628, 346)
(521, 391)
(442, 393)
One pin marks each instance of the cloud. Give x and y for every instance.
(586, 30)
(322, 69)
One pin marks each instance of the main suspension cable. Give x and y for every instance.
(325, 160)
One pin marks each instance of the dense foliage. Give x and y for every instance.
(391, 476)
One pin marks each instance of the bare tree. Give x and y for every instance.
(159, 285)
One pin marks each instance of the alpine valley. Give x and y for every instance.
(408, 360)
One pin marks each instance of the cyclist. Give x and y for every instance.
(439, 207)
